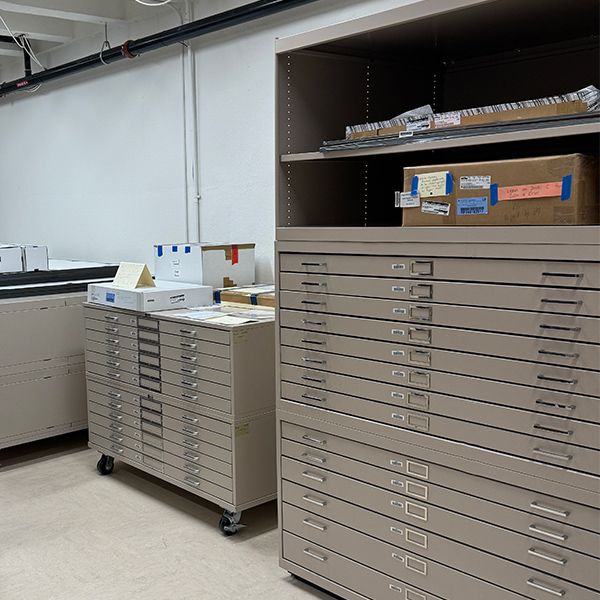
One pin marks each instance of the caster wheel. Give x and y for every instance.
(105, 465)
(229, 523)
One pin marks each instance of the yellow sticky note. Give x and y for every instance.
(433, 184)
(133, 275)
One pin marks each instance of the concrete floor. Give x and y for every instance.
(66, 533)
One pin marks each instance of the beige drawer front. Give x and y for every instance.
(194, 331)
(553, 326)
(482, 432)
(112, 341)
(112, 329)
(583, 356)
(187, 357)
(144, 446)
(110, 316)
(546, 300)
(384, 556)
(116, 430)
(112, 374)
(112, 392)
(535, 502)
(190, 418)
(128, 449)
(174, 430)
(197, 444)
(577, 567)
(112, 352)
(196, 484)
(202, 457)
(532, 272)
(555, 409)
(198, 471)
(484, 508)
(117, 412)
(193, 345)
(194, 384)
(197, 397)
(502, 369)
(196, 371)
(112, 362)
(113, 402)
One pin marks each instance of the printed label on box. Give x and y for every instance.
(407, 199)
(475, 182)
(433, 184)
(447, 119)
(471, 206)
(418, 124)
(435, 208)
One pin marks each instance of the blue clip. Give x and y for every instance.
(174, 248)
(254, 299)
(414, 185)
(159, 250)
(449, 183)
(188, 249)
(493, 194)
(565, 192)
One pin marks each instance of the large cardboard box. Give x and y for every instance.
(257, 295)
(11, 258)
(550, 190)
(166, 295)
(218, 265)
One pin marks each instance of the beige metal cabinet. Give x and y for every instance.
(187, 401)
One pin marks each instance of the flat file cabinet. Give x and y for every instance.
(188, 401)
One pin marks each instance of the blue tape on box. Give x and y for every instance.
(565, 193)
(471, 206)
(449, 183)
(254, 299)
(414, 185)
(217, 296)
(174, 248)
(110, 297)
(159, 249)
(493, 194)
(188, 249)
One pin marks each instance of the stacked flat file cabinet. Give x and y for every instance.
(438, 388)
(187, 401)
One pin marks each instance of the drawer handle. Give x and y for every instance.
(560, 328)
(190, 345)
(307, 378)
(191, 444)
(398, 267)
(115, 405)
(314, 524)
(549, 509)
(111, 329)
(111, 318)
(315, 440)
(189, 358)
(115, 427)
(397, 503)
(117, 438)
(191, 481)
(189, 396)
(309, 322)
(316, 398)
(398, 417)
(113, 363)
(191, 468)
(549, 557)
(313, 476)
(557, 379)
(314, 458)
(315, 501)
(313, 360)
(313, 283)
(113, 352)
(189, 371)
(396, 463)
(398, 373)
(312, 554)
(563, 354)
(552, 301)
(397, 557)
(561, 537)
(115, 395)
(113, 341)
(190, 384)
(313, 302)
(544, 587)
(113, 374)
(555, 455)
(569, 407)
(553, 430)
(188, 331)
(396, 588)
(117, 449)
(552, 274)
(313, 264)
(191, 456)
(113, 415)
(189, 419)
(312, 342)
(189, 431)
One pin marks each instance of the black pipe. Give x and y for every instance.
(27, 63)
(133, 48)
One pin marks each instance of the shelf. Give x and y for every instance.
(398, 145)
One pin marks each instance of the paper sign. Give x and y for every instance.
(229, 320)
(435, 208)
(534, 190)
(133, 275)
(418, 124)
(471, 206)
(447, 119)
(433, 184)
(407, 199)
(200, 315)
(475, 182)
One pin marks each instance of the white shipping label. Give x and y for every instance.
(435, 208)
(418, 124)
(450, 119)
(475, 182)
(407, 200)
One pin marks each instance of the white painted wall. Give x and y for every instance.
(94, 166)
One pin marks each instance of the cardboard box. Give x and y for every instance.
(167, 295)
(258, 295)
(550, 190)
(217, 265)
(35, 258)
(11, 258)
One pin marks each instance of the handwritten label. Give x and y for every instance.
(133, 275)
(471, 206)
(418, 124)
(435, 208)
(475, 182)
(451, 119)
(407, 200)
(433, 184)
(527, 192)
